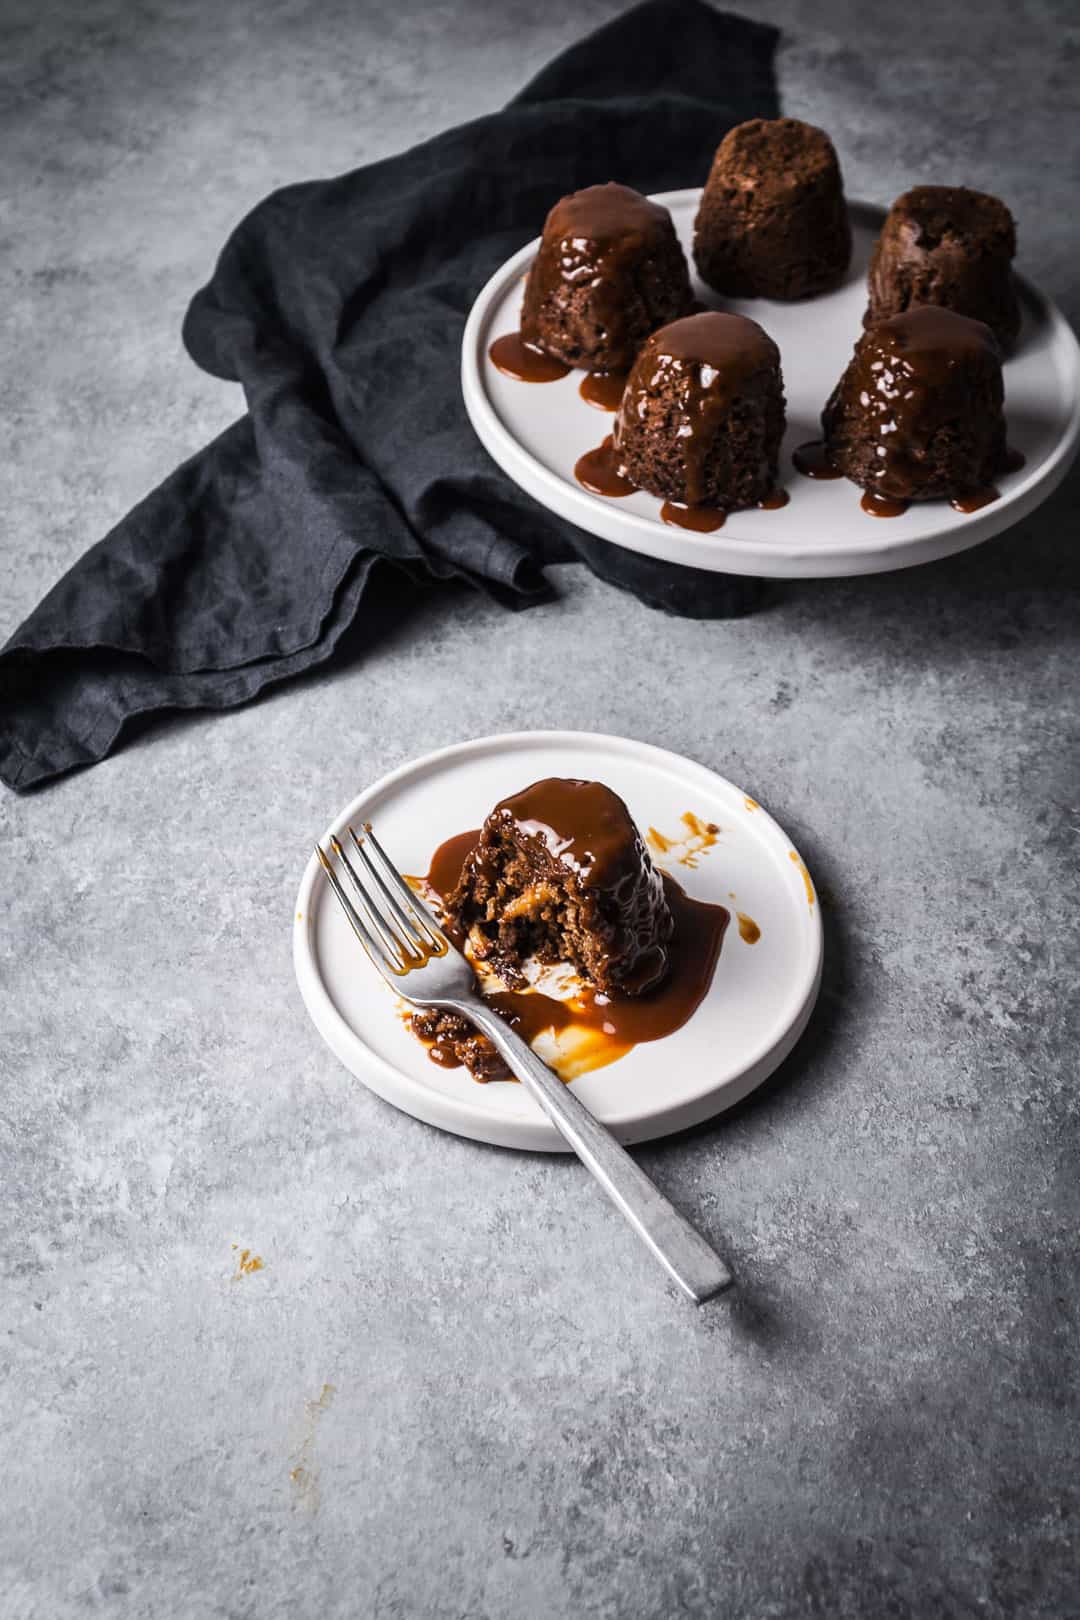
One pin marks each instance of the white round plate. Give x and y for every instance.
(761, 995)
(536, 432)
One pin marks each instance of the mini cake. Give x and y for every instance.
(561, 873)
(944, 245)
(702, 415)
(917, 415)
(609, 271)
(773, 222)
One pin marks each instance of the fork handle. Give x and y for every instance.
(693, 1264)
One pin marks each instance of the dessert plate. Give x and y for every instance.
(537, 431)
(762, 993)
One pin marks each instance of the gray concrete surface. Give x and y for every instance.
(456, 1388)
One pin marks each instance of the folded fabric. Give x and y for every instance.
(339, 305)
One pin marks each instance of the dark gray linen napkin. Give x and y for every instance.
(339, 305)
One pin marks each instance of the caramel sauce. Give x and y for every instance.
(448, 860)
(748, 928)
(751, 804)
(812, 460)
(604, 389)
(591, 1029)
(246, 1263)
(882, 506)
(976, 500)
(1014, 460)
(598, 472)
(583, 824)
(699, 836)
(774, 501)
(807, 880)
(524, 362)
(444, 1057)
(701, 519)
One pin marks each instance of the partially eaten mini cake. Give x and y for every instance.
(561, 874)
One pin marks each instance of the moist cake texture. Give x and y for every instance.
(702, 415)
(773, 222)
(610, 270)
(561, 873)
(949, 246)
(448, 1033)
(917, 415)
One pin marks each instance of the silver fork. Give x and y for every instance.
(416, 959)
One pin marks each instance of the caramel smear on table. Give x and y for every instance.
(304, 1474)
(246, 1263)
(688, 848)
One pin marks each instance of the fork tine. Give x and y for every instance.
(408, 906)
(373, 946)
(403, 950)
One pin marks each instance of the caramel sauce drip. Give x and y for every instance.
(701, 519)
(604, 389)
(523, 361)
(775, 501)
(812, 460)
(1014, 460)
(749, 931)
(699, 836)
(598, 471)
(976, 500)
(807, 880)
(882, 506)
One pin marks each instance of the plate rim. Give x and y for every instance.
(716, 553)
(470, 1120)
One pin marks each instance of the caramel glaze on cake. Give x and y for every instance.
(918, 415)
(949, 246)
(702, 416)
(561, 873)
(773, 222)
(609, 271)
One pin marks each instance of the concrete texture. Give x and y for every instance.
(456, 1387)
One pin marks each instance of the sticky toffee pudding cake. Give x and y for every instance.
(917, 415)
(702, 415)
(610, 270)
(561, 873)
(773, 222)
(948, 246)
